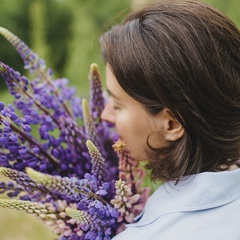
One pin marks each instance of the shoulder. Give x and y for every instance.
(203, 205)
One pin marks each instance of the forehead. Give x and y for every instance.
(113, 86)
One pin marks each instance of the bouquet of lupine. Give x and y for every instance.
(65, 164)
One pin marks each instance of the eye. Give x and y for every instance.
(116, 108)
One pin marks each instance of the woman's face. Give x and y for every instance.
(132, 122)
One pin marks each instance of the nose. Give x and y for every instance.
(108, 113)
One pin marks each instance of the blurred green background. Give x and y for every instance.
(65, 33)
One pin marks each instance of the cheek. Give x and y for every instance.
(121, 125)
(134, 134)
(131, 126)
(124, 126)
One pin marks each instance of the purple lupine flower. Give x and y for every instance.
(15, 82)
(98, 163)
(2, 105)
(97, 101)
(98, 219)
(11, 189)
(22, 179)
(48, 141)
(90, 126)
(18, 141)
(72, 187)
(31, 59)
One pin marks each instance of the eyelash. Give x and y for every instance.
(116, 108)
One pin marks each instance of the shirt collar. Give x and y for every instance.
(196, 192)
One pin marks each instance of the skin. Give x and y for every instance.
(133, 123)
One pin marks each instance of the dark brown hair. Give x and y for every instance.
(183, 55)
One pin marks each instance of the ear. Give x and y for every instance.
(172, 128)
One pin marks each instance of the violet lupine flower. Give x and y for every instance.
(72, 188)
(99, 220)
(16, 83)
(97, 101)
(47, 103)
(20, 177)
(59, 153)
(18, 144)
(11, 189)
(90, 127)
(31, 59)
(29, 189)
(98, 163)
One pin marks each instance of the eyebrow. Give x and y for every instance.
(112, 94)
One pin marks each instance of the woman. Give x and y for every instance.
(173, 75)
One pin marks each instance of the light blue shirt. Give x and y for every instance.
(205, 206)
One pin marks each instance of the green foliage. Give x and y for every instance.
(38, 31)
(63, 32)
(13, 16)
